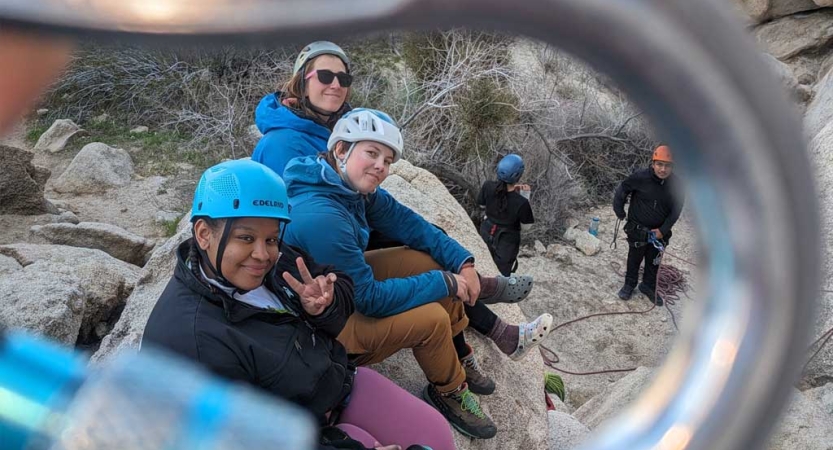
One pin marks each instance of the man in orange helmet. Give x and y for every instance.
(655, 206)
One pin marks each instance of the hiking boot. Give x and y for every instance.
(532, 334)
(462, 410)
(478, 382)
(651, 293)
(626, 292)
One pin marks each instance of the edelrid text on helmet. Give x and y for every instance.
(319, 48)
(240, 188)
(362, 124)
(510, 168)
(271, 203)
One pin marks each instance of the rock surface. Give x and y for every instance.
(113, 240)
(22, 183)
(58, 135)
(96, 168)
(86, 286)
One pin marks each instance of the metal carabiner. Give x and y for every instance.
(692, 69)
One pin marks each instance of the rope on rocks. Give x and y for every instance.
(671, 283)
(671, 279)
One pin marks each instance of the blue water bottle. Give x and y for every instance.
(594, 226)
(50, 400)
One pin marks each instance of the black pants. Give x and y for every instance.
(504, 245)
(481, 318)
(637, 252)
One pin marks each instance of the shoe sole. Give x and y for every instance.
(659, 303)
(428, 400)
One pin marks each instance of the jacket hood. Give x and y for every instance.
(270, 115)
(313, 174)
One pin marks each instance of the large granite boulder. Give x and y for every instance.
(84, 286)
(58, 135)
(820, 370)
(803, 425)
(96, 168)
(127, 333)
(21, 183)
(115, 241)
(38, 299)
(763, 10)
(794, 35)
(566, 432)
(820, 111)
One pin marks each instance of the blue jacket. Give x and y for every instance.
(285, 135)
(333, 224)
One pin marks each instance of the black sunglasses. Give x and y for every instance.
(326, 77)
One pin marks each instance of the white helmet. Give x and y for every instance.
(363, 124)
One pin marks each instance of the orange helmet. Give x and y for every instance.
(663, 153)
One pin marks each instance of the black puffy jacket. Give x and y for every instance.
(295, 357)
(654, 203)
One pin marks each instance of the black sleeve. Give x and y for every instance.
(481, 197)
(620, 197)
(676, 208)
(333, 319)
(525, 214)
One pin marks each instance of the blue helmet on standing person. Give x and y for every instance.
(510, 168)
(238, 189)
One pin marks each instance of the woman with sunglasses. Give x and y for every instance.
(298, 120)
(253, 310)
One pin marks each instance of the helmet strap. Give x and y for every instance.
(221, 248)
(273, 273)
(342, 166)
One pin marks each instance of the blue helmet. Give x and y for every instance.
(510, 168)
(240, 188)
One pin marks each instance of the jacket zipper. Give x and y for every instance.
(312, 331)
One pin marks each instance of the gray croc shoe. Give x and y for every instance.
(510, 289)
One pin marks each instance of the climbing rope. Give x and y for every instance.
(670, 283)
(551, 358)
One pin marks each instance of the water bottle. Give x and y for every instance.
(150, 400)
(594, 226)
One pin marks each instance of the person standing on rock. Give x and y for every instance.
(655, 206)
(507, 212)
(251, 309)
(297, 121)
(409, 296)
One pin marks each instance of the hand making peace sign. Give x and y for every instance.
(316, 293)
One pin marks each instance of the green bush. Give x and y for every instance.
(485, 109)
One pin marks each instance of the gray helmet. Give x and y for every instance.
(319, 48)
